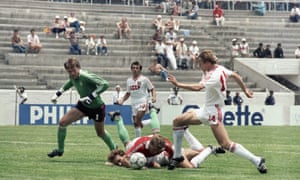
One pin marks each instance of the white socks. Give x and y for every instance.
(192, 141)
(197, 160)
(240, 150)
(177, 138)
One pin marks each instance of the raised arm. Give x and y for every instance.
(242, 85)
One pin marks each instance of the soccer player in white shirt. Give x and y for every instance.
(138, 88)
(214, 81)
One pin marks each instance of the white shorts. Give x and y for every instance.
(210, 115)
(139, 107)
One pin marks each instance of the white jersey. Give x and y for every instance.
(215, 85)
(138, 89)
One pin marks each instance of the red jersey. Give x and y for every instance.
(218, 12)
(141, 144)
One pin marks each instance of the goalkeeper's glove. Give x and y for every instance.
(87, 99)
(55, 96)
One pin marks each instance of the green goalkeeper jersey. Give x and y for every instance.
(86, 84)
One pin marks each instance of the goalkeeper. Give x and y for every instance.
(89, 87)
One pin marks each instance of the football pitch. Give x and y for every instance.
(23, 154)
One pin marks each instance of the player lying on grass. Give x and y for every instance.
(157, 149)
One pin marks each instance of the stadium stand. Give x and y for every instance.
(44, 70)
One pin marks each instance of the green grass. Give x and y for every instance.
(23, 152)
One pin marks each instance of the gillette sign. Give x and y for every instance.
(49, 114)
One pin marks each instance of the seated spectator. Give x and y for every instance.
(176, 10)
(172, 37)
(17, 43)
(123, 27)
(159, 24)
(74, 44)
(164, 5)
(90, 45)
(155, 37)
(297, 52)
(270, 100)
(218, 16)
(182, 54)
(193, 12)
(193, 53)
(235, 48)
(68, 28)
(102, 48)
(294, 14)
(278, 52)
(259, 51)
(244, 48)
(74, 22)
(161, 54)
(173, 23)
(259, 8)
(57, 27)
(158, 69)
(34, 44)
(237, 99)
(170, 54)
(267, 51)
(174, 98)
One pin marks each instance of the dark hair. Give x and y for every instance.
(136, 63)
(16, 30)
(71, 63)
(31, 30)
(113, 153)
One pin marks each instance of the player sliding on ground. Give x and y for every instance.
(89, 87)
(214, 81)
(157, 149)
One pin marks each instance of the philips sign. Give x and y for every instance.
(49, 114)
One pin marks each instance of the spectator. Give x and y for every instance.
(101, 46)
(174, 98)
(228, 98)
(297, 52)
(193, 54)
(170, 54)
(74, 44)
(57, 27)
(117, 95)
(218, 16)
(22, 94)
(176, 9)
(161, 54)
(270, 100)
(259, 8)
(173, 23)
(90, 45)
(164, 5)
(244, 48)
(155, 37)
(193, 12)
(278, 52)
(34, 44)
(159, 24)
(181, 53)
(158, 69)
(172, 37)
(74, 22)
(268, 52)
(259, 51)
(294, 14)
(123, 27)
(17, 43)
(237, 99)
(68, 28)
(235, 49)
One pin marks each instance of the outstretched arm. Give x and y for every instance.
(192, 87)
(241, 83)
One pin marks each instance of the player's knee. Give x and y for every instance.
(179, 122)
